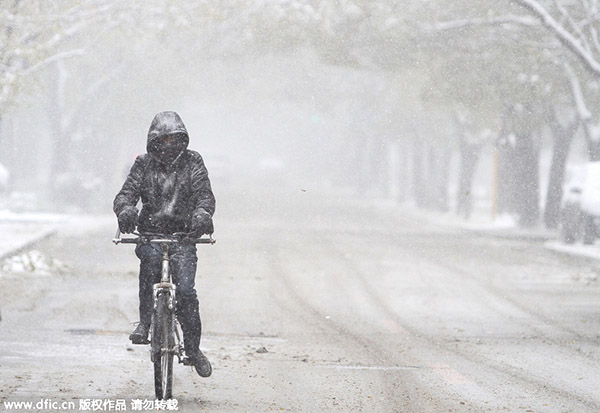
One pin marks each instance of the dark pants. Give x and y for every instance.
(183, 261)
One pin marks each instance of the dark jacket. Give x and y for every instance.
(172, 192)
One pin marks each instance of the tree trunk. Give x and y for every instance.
(440, 178)
(56, 113)
(429, 177)
(518, 189)
(420, 189)
(507, 176)
(2, 139)
(354, 167)
(554, 193)
(378, 170)
(528, 184)
(403, 176)
(594, 150)
(469, 156)
(562, 139)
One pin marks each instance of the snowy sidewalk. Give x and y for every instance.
(577, 249)
(503, 227)
(20, 231)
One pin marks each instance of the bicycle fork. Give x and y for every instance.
(166, 287)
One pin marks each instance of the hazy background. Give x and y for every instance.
(434, 103)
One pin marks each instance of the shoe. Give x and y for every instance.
(201, 364)
(140, 334)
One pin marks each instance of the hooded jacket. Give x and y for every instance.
(173, 191)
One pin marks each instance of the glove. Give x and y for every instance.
(128, 220)
(202, 223)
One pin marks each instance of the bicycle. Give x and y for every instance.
(165, 332)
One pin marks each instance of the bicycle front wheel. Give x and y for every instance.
(163, 343)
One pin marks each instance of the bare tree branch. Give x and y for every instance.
(594, 34)
(582, 109)
(55, 58)
(564, 36)
(493, 21)
(573, 24)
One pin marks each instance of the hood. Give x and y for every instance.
(166, 123)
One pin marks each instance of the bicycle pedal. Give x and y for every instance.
(187, 361)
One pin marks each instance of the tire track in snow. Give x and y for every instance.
(441, 345)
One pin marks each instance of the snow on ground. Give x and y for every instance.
(35, 217)
(31, 262)
(18, 236)
(502, 226)
(481, 220)
(415, 316)
(578, 249)
(20, 231)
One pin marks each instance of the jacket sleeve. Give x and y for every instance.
(203, 194)
(130, 193)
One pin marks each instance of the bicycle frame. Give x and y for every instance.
(166, 286)
(165, 337)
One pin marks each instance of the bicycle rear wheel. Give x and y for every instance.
(163, 342)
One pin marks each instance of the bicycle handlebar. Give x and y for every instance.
(162, 238)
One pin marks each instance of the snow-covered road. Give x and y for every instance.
(316, 303)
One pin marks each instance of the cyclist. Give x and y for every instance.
(172, 182)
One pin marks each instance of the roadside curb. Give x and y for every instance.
(551, 242)
(575, 250)
(516, 235)
(487, 230)
(28, 244)
(550, 239)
